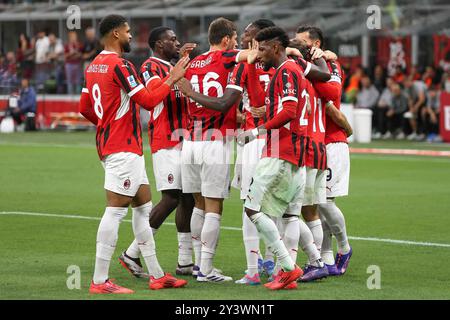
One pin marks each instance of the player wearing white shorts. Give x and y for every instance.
(166, 125)
(206, 154)
(110, 100)
(338, 161)
(278, 183)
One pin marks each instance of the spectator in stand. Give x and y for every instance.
(379, 78)
(383, 105)
(367, 96)
(396, 114)
(399, 75)
(55, 58)
(41, 62)
(73, 55)
(416, 94)
(25, 57)
(27, 102)
(414, 73)
(8, 73)
(429, 76)
(353, 85)
(91, 47)
(430, 115)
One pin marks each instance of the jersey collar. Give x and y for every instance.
(107, 52)
(284, 63)
(163, 61)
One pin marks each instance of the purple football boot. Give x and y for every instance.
(312, 273)
(332, 270)
(342, 261)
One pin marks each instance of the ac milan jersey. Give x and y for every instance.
(239, 81)
(169, 118)
(110, 82)
(316, 154)
(333, 132)
(209, 74)
(288, 142)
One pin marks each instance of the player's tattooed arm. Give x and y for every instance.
(222, 104)
(338, 117)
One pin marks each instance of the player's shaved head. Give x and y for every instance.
(111, 22)
(220, 28)
(156, 35)
(273, 33)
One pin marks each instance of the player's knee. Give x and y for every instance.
(171, 198)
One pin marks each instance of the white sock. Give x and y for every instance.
(197, 220)
(251, 244)
(144, 237)
(308, 246)
(336, 222)
(133, 250)
(291, 236)
(184, 248)
(316, 229)
(269, 233)
(327, 243)
(107, 234)
(209, 239)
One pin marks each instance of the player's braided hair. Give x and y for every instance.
(155, 35)
(314, 33)
(111, 22)
(273, 33)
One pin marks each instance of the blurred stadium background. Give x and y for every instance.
(413, 40)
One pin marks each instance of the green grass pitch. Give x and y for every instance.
(391, 197)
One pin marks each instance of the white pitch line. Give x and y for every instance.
(68, 216)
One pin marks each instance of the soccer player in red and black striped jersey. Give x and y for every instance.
(111, 100)
(278, 183)
(206, 153)
(166, 125)
(338, 160)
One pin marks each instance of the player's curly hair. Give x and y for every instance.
(314, 33)
(111, 22)
(273, 33)
(155, 35)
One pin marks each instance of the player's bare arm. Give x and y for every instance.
(338, 117)
(178, 71)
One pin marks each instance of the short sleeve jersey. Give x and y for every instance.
(209, 74)
(110, 82)
(169, 118)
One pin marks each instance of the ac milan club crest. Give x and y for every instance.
(127, 184)
(170, 178)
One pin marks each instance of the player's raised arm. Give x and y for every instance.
(149, 99)
(256, 92)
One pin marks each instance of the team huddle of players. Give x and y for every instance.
(278, 98)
